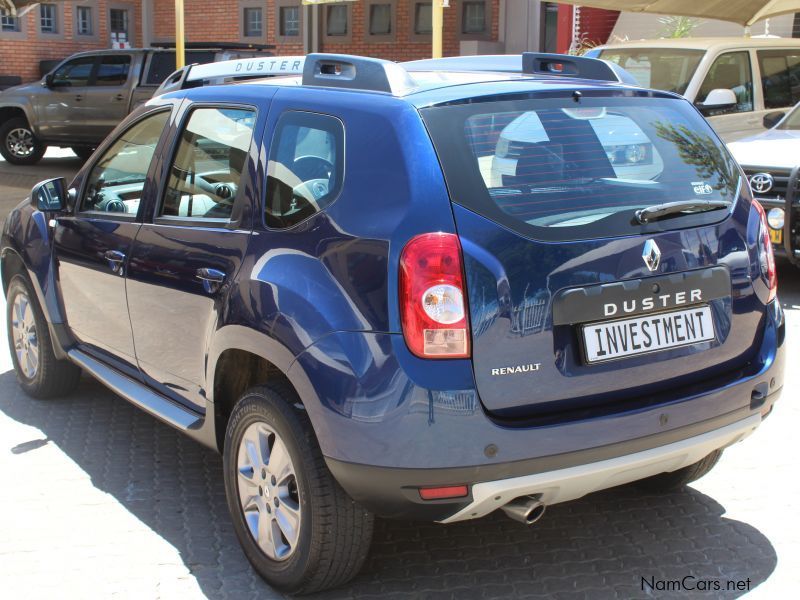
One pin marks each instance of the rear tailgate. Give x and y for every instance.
(573, 303)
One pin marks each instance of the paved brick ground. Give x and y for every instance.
(98, 500)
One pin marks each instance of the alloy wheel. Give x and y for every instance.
(268, 491)
(26, 340)
(20, 142)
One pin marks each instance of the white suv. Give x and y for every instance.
(734, 82)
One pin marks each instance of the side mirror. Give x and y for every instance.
(718, 99)
(773, 118)
(50, 195)
(48, 81)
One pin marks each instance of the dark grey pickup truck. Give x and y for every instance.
(79, 102)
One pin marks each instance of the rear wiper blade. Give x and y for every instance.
(659, 211)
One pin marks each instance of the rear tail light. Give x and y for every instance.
(766, 257)
(433, 310)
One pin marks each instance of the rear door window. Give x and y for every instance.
(113, 70)
(555, 169)
(208, 164)
(780, 77)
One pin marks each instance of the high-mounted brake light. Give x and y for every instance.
(766, 256)
(433, 311)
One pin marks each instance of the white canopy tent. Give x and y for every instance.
(743, 12)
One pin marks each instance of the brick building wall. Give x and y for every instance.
(20, 52)
(222, 21)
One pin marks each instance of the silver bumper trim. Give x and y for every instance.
(574, 482)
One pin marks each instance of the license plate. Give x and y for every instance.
(649, 333)
(776, 235)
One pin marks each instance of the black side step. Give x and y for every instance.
(137, 394)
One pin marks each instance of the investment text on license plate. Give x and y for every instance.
(626, 337)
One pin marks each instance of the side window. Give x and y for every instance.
(306, 167)
(730, 71)
(75, 72)
(780, 77)
(113, 70)
(116, 182)
(207, 167)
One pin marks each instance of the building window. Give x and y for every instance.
(290, 21)
(118, 21)
(8, 22)
(380, 19)
(473, 17)
(84, 18)
(423, 18)
(48, 22)
(336, 17)
(253, 22)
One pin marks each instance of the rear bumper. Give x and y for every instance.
(382, 447)
(561, 485)
(394, 493)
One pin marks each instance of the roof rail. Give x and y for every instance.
(532, 63)
(356, 72)
(374, 74)
(325, 70)
(243, 68)
(574, 66)
(214, 46)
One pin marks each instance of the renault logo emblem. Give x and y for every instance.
(761, 183)
(651, 255)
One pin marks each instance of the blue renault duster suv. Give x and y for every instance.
(427, 291)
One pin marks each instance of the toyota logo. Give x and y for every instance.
(761, 183)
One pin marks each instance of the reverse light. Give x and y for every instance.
(441, 493)
(766, 256)
(433, 311)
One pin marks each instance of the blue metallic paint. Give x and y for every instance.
(335, 332)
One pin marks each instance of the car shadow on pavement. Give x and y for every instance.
(600, 546)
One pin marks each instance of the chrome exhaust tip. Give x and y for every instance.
(525, 509)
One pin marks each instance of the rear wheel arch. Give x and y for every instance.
(236, 372)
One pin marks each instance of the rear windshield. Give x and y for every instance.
(665, 69)
(560, 169)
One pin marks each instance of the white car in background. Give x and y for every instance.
(734, 82)
(771, 161)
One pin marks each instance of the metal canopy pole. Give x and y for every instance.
(437, 22)
(180, 54)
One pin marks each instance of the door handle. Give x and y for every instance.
(115, 259)
(212, 279)
(119, 97)
(78, 97)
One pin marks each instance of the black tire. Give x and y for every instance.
(8, 132)
(52, 377)
(677, 480)
(82, 152)
(334, 532)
